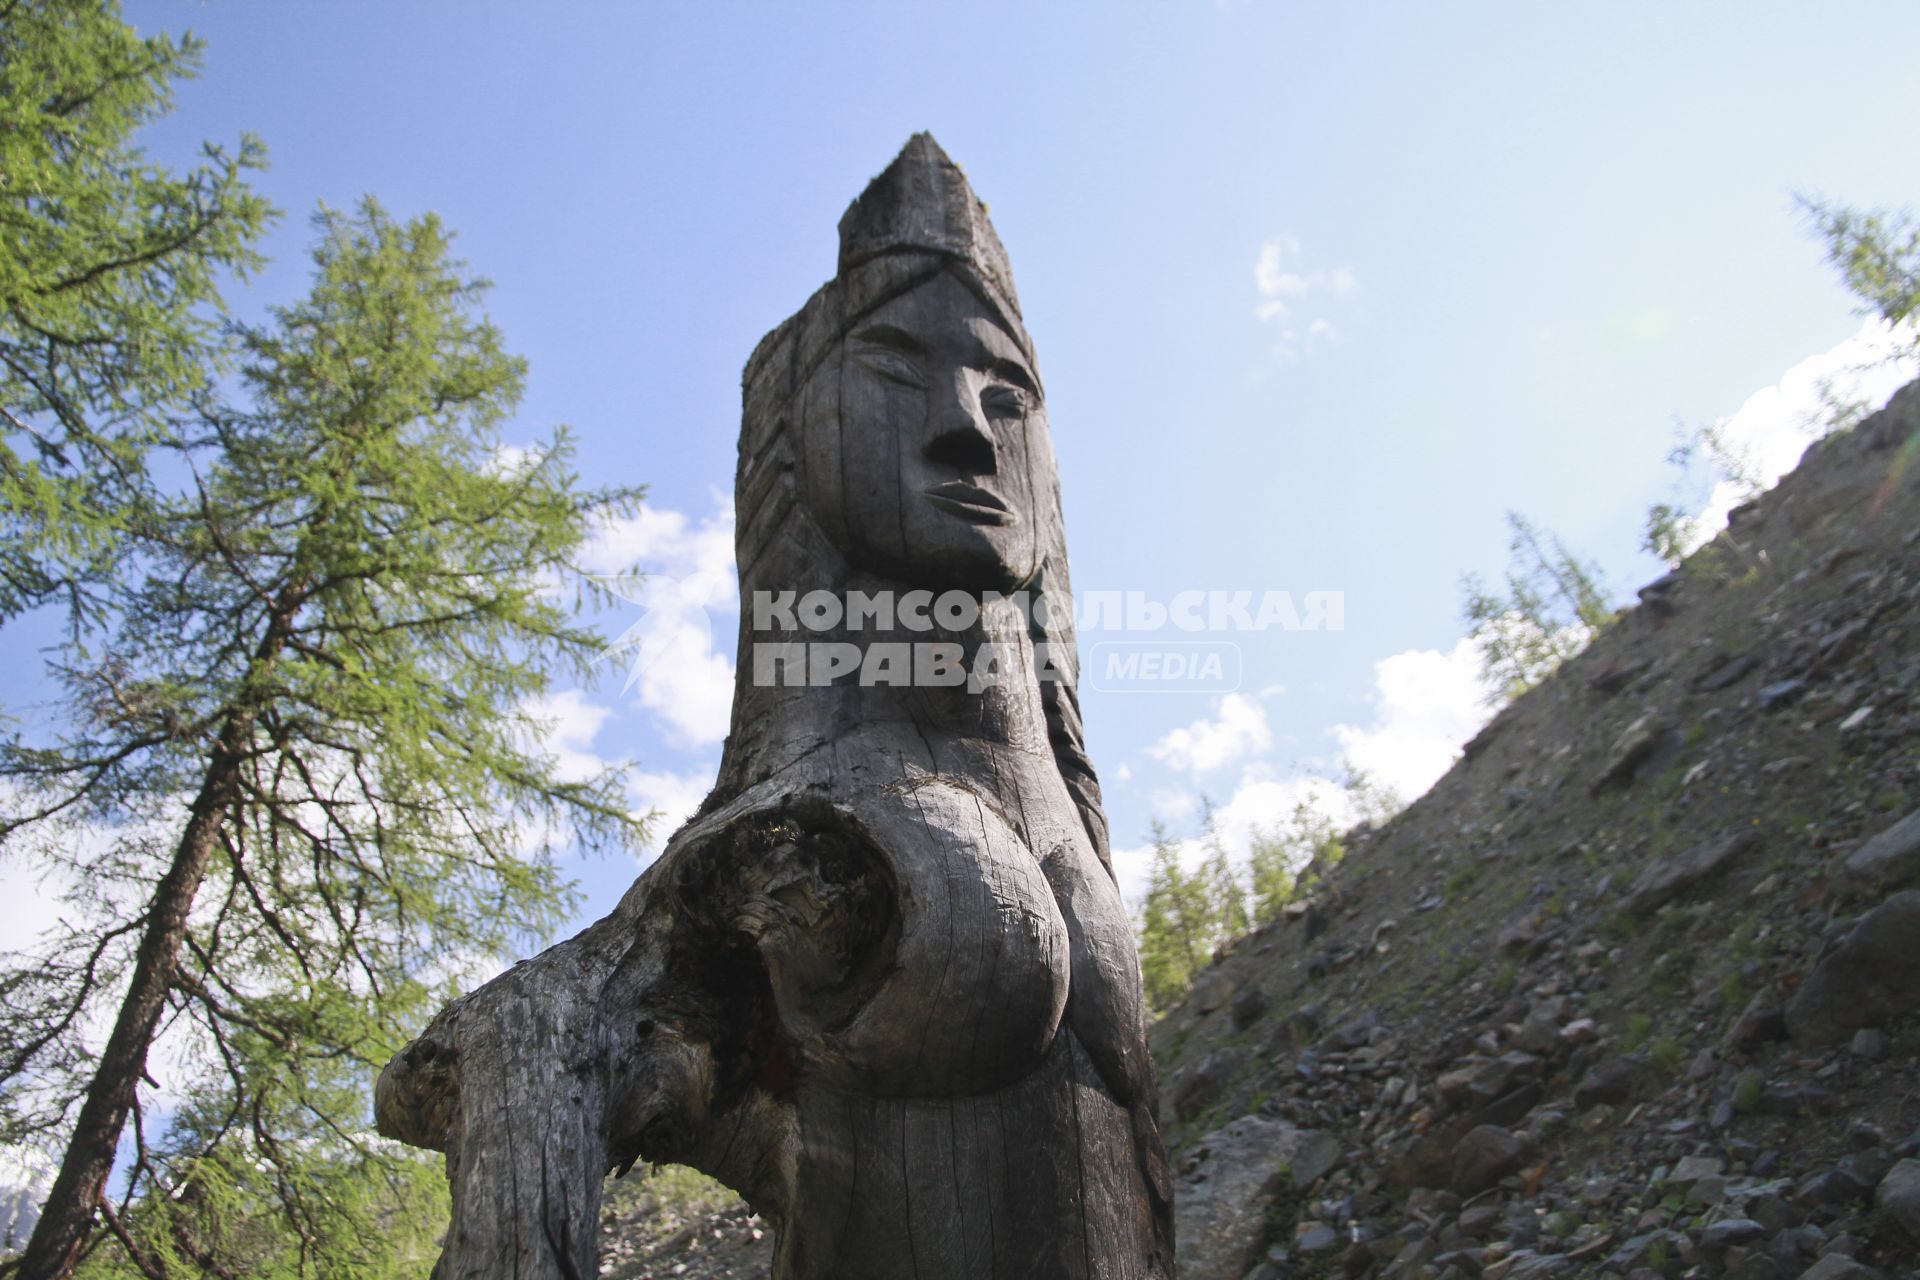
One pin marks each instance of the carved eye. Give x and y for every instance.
(893, 366)
(1004, 401)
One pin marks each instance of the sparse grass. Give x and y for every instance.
(1669, 973)
(1744, 942)
(1673, 927)
(1887, 800)
(1663, 1055)
(668, 1190)
(1903, 1038)
(1625, 926)
(1666, 787)
(1746, 1092)
(1462, 878)
(1505, 976)
(1639, 1029)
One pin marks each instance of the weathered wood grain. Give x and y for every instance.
(883, 983)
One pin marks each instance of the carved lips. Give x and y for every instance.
(970, 502)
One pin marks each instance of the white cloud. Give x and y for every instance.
(29, 901)
(1283, 282)
(1170, 804)
(1426, 704)
(1270, 275)
(669, 651)
(686, 684)
(1132, 867)
(1773, 427)
(1239, 728)
(672, 799)
(1263, 803)
(1259, 803)
(668, 548)
(509, 459)
(570, 725)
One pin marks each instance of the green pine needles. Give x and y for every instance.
(299, 790)
(109, 275)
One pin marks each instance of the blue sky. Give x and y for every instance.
(1318, 292)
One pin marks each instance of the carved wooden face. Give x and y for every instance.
(925, 444)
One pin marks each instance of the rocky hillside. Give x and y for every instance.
(1634, 991)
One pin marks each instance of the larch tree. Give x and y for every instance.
(1876, 251)
(1553, 606)
(110, 268)
(1177, 926)
(300, 783)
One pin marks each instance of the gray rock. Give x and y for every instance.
(1692, 1169)
(1898, 1196)
(1299, 1028)
(1540, 1033)
(1222, 1203)
(1725, 671)
(1846, 1244)
(1634, 1252)
(1772, 1211)
(1729, 1232)
(1211, 990)
(1482, 1081)
(1314, 1237)
(1868, 1167)
(1868, 979)
(1611, 1082)
(1195, 1088)
(1519, 933)
(1248, 1008)
(1479, 1221)
(1617, 675)
(1630, 750)
(1755, 1266)
(1355, 1031)
(1487, 1154)
(1511, 1108)
(1869, 1043)
(1666, 879)
(1794, 1100)
(1761, 1022)
(1831, 1187)
(1892, 857)
(1840, 1267)
(1525, 1264)
(1406, 1263)
(1797, 1244)
(1779, 694)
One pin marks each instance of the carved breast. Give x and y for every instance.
(912, 940)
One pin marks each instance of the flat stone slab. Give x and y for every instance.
(1890, 858)
(1222, 1204)
(1870, 978)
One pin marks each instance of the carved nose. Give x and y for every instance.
(958, 434)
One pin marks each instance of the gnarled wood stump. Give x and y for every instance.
(883, 983)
